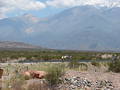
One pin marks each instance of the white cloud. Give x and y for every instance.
(11, 5)
(3, 11)
(26, 4)
(60, 3)
(29, 31)
(71, 3)
(7, 6)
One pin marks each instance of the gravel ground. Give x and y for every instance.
(114, 78)
(87, 78)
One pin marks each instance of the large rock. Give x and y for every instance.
(35, 74)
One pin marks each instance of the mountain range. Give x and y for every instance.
(17, 45)
(77, 28)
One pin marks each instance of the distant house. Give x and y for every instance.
(107, 56)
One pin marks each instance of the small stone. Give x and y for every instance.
(72, 86)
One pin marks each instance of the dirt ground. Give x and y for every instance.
(93, 74)
(113, 77)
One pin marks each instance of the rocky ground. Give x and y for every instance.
(75, 80)
(95, 78)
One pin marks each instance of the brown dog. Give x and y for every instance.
(35, 74)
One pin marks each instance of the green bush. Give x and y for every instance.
(54, 73)
(114, 66)
(95, 63)
(73, 64)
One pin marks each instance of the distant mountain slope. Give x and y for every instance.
(19, 45)
(80, 28)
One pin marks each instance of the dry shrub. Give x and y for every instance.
(54, 73)
(114, 66)
(73, 64)
(83, 67)
(95, 63)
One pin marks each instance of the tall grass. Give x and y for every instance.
(14, 82)
(54, 72)
(83, 67)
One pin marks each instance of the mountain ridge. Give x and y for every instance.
(17, 45)
(77, 28)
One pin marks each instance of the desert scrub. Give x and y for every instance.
(38, 85)
(95, 63)
(14, 79)
(83, 67)
(114, 66)
(73, 64)
(105, 64)
(54, 72)
(15, 82)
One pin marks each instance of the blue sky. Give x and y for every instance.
(46, 12)
(44, 8)
(39, 8)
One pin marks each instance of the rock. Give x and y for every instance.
(1, 73)
(78, 82)
(72, 87)
(35, 74)
(104, 84)
(39, 74)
